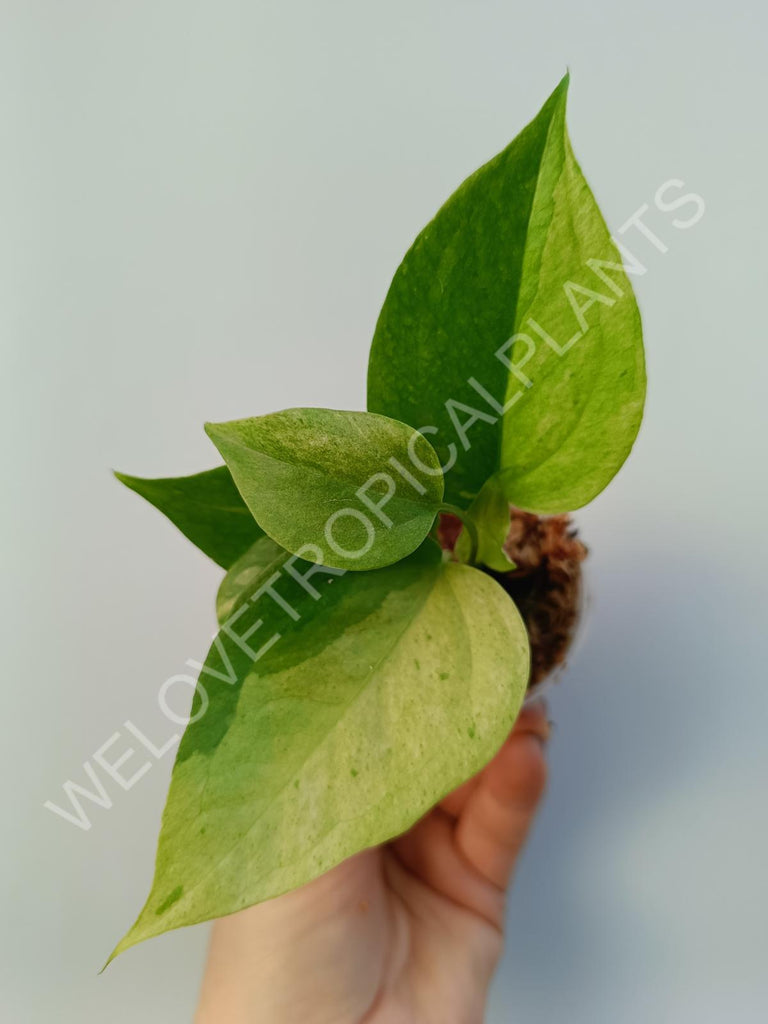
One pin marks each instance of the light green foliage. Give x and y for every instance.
(390, 689)
(206, 507)
(511, 328)
(323, 483)
(335, 707)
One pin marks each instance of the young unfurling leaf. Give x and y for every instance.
(489, 515)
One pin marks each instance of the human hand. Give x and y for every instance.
(406, 933)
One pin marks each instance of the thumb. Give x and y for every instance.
(499, 810)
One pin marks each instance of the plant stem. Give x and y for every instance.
(469, 526)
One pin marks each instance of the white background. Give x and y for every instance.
(202, 207)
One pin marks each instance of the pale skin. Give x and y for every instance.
(406, 933)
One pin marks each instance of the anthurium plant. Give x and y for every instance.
(374, 647)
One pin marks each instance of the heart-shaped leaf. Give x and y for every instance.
(384, 691)
(346, 489)
(206, 507)
(511, 333)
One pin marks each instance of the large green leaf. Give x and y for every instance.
(387, 691)
(206, 507)
(510, 331)
(347, 489)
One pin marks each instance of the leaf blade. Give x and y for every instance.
(323, 479)
(365, 750)
(253, 569)
(206, 507)
(500, 252)
(597, 383)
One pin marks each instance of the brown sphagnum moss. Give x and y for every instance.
(546, 584)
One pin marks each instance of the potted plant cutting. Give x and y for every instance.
(396, 579)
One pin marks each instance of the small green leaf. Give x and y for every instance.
(387, 691)
(206, 507)
(511, 333)
(345, 489)
(253, 569)
(489, 513)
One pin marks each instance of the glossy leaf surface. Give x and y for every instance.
(511, 331)
(389, 690)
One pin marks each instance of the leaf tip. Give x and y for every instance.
(560, 92)
(138, 484)
(132, 937)
(216, 432)
(115, 953)
(133, 483)
(106, 963)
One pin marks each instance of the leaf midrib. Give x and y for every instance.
(526, 243)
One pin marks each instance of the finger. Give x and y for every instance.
(430, 855)
(496, 818)
(534, 719)
(454, 803)
(430, 850)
